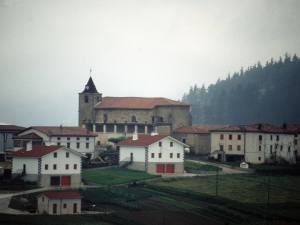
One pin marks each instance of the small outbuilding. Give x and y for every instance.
(58, 203)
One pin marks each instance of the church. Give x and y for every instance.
(122, 116)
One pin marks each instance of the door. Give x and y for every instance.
(131, 156)
(54, 209)
(75, 208)
(170, 168)
(66, 180)
(55, 181)
(160, 168)
(24, 169)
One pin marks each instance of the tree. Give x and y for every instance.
(116, 140)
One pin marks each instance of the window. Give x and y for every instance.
(105, 118)
(171, 155)
(296, 142)
(281, 148)
(58, 138)
(239, 148)
(46, 166)
(98, 143)
(78, 138)
(221, 136)
(152, 155)
(87, 138)
(67, 154)
(221, 147)
(159, 144)
(230, 136)
(184, 140)
(68, 138)
(86, 99)
(68, 145)
(259, 148)
(296, 135)
(67, 166)
(133, 119)
(239, 137)
(229, 147)
(58, 143)
(271, 149)
(178, 155)
(277, 138)
(289, 148)
(260, 137)
(271, 137)
(55, 154)
(54, 166)
(87, 145)
(75, 166)
(77, 145)
(43, 199)
(65, 205)
(159, 155)
(171, 144)
(259, 158)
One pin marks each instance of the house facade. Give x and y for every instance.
(76, 138)
(49, 166)
(7, 133)
(197, 136)
(253, 143)
(295, 129)
(59, 203)
(122, 116)
(152, 153)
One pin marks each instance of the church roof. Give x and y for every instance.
(136, 103)
(91, 87)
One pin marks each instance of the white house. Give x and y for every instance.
(48, 165)
(58, 203)
(255, 143)
(152, 153)
(76, 138)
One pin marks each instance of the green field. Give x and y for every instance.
(114, 176)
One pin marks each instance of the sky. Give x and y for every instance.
(156, 48)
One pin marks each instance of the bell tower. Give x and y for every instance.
(88, 99)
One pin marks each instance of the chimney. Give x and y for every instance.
(135, 136)
(284, 125)
(29, 146)
(61, 126)
(259, 126)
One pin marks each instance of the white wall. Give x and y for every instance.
(31, 164)
(216, 142)
(138, 153)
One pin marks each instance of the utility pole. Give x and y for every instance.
(217, 181)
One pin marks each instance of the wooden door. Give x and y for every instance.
(170, 168)
(160, 168)
(54, 209)
(24, 169)
(75, 208)
(66, 180)
(131, 156)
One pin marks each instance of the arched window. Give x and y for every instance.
(86, 99)
(133, 119)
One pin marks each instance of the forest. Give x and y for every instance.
(268, 93)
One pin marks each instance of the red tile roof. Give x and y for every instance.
(295, 128)
(258, 127)
(28, 136)
(37, 151)
(63, 131)
(199, 128)
(137, 103)
(11, 128)
(62, 195)
(143, 140)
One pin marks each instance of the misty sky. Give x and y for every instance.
(134, 48)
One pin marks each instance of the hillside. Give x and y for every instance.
(267, 93)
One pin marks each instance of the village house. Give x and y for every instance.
(122, 116)
(295, 129)
(76, 138)
(152, 153)
(253, 143)
(59, 203)
(6, 139)
(54, 166)
(197, 136)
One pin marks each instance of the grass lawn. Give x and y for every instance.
(113, 176)
(199, 166)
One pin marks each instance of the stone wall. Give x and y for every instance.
(137, 166)
(178, 167)
(46, 179)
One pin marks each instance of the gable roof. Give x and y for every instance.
(61, 195)
(40, 150)
(295, 128)
(136, 103)
(6, 127)
(145, 140)
(257, 127)
(62, 131)
(92, 87)
(31, 135)
(198, 128)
